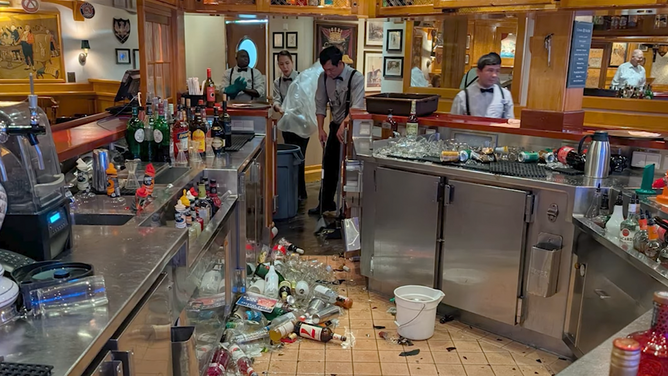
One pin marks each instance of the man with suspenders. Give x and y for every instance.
(485, 97)
(343, 88)
(243, 83)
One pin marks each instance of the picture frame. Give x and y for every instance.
(291, 40)
(394, 40)
(135, 58)
(393, 67)
(340, 34)
(278, 39)
(123, 56)
(373, 33)
(47, 63)
(277, 70)
(618, 54)
(373, 62)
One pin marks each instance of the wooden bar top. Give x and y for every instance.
(98, 130)
(482, 124)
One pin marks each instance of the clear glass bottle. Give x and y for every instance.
(654, 342)
(629, 227)
(593, 210)
(412, 124)
(653, 244)
(603, 212)
(389, 126)
(641, 236)
(613, 226)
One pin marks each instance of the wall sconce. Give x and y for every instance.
(85, 46)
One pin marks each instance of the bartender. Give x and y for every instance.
(343, 88)
(243, 83)
(279, 92)
(630, 73)
(485, 97)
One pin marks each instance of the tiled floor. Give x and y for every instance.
(455, 349)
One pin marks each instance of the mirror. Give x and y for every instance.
(444, 53)
(629, 54)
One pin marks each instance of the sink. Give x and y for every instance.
(170, 175)
(102, 219)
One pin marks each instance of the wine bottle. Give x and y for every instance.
(209, 89)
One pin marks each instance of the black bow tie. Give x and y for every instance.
(286, 79)
(242, 69)
(339, 78)
(490, 90)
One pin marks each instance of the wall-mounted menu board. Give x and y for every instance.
(579, 57)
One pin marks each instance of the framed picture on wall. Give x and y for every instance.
(135, 59)
(342, 35)
(123, 56)
(618, 55)
(291, 39)
(44, 57)
(373, 33)
(277, 70)
(393, 67)
(373, 74)
(278, 40)
(394, 40)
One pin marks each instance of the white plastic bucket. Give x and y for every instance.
(416, 311)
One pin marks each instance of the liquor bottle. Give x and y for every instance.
(171, 119)
(198, 131)
(629, 227)
(227, 124)
(592, 211)
(189, 111)
(134, 134)
(148, 146)
(641, 237)
(161, 135)
(243, 362)
(625, 357)
(282, 330)
(316, 333)
(213, 195)
(271, 283)
(653, 344)
(181, 134)
(389, 126)
(217, 134)
(218, 365)
(653, 244)
(280, 309)
(209, 89)
(330, 296)
(412, 122)
(603, 212)
(262, 270)
(205, 207)
(284, 290)
(617, 217)
(248, 337)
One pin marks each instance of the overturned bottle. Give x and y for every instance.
(317, 333)
(330, 296)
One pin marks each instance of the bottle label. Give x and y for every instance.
(157, 136)
(312, 332)
(139, 135)
(411, 129)
(563, 152)
(217, 143)
(210, 94)
(183, 140)
(200, 137)
(626, 235)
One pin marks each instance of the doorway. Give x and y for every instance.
(250, 36)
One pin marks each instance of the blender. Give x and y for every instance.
(37, 223)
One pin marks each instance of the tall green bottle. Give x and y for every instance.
(134, 134)
(148, 146)
(161, 135)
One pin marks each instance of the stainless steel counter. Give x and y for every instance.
(130, 260)
(597, 361)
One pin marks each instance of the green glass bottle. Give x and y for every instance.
(161, 135)
(148, 146)
(279, 310)
(134, 134)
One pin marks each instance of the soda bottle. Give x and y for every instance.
(654, 342)
(218, 365)
(243, 362)
(316, 333)
(330, 296)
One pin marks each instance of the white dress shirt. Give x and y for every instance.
(337, 90)
(254, 81)
(627, 74)
(280, 88)
(417, 78)
(660, 69)
(486, 104)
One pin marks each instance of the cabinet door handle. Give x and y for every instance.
(602, 294)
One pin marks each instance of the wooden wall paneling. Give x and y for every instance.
(179, 49)
(626, 120)
(487, 3)
(408, 53)
(519, 57)
(141, 32)
(608, 3)
(454, 51)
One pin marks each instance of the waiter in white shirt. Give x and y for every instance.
(660, 66)
(243, 83)
(485, 97)
(417, 76)
(630, 73)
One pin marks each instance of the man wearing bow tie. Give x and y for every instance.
(343, 88)
(278, 93)
(243, 83)
(485, 97)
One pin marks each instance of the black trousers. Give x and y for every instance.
(293, 139)
(332, 166)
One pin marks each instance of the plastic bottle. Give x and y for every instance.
(302, 289)
(179, 215)
(218, 365)
(615, 221)
(256, 335)
(242, 361)
(330, 296)
(281, 331)
(271, 283)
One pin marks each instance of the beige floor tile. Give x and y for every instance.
(455, 326)
(289, 352)
(394, 369)
(338, 368)
(365, 344)
(445, 357)
(388, 324)
(559, 365)
(361, 315)
(307, 344)
(441, 336)
(422, 345)
(423, 357)
(463, 336)
(261, 365)
(422, 369)
(506, 370)
(489, 347)
(365, 356)
(356, 323)
(308, 355)
(440, 345)
(450, 370)
(519, 348)
(366, 369)
(544, 357)
(479, 370)
(496, 340)
(525, 361)
(388, 346)
(391, 357)
(535, 371)
(467, 346)
(381, 315)
(310, 368)
(500, 358)
(283, 367)
(332, 355)
(472, 358)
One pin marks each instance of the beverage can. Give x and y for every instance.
(464, 155)
(528, 157)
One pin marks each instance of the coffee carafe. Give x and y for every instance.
(597, 160)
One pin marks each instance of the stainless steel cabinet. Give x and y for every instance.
(482, 252)
(405, 228)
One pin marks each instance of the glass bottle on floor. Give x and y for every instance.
(654, 342)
